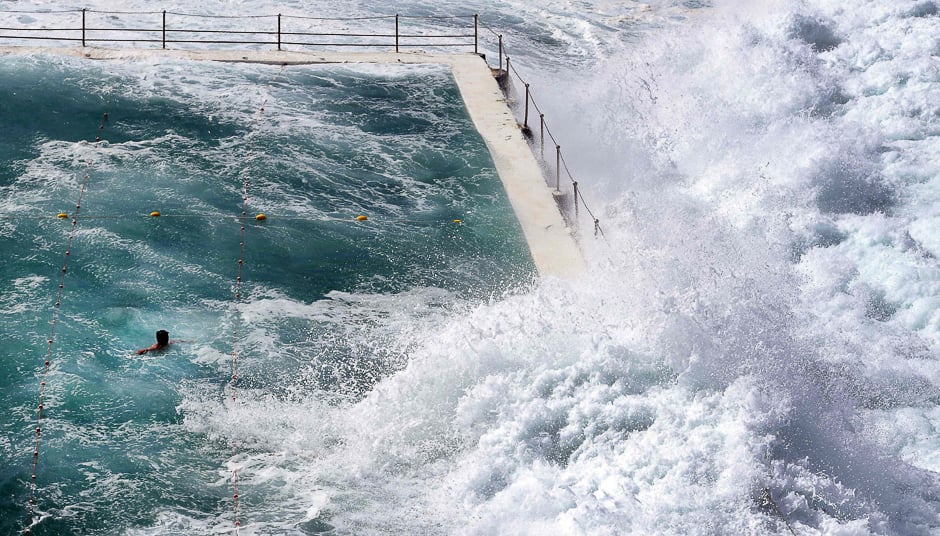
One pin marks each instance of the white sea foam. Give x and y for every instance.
(24, 294)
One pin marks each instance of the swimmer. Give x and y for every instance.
(163, 340)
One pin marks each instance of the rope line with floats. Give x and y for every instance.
(246, 183)
(47, 365)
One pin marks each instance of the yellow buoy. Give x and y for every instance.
(154, 214)
(261, 217)
(458, 221)
(62, 215)
(361, 218)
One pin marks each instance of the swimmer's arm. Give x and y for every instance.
(157, 346)
(145, 350)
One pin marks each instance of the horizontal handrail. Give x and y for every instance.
(104, 31)
(561, 164)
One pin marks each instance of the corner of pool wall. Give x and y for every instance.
(551, 241)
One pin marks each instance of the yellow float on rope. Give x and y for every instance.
(261, 217)
(62, 215)
(458, 221)
(361, 218)
(154, 214)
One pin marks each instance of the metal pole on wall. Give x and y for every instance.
(507, 66)
(476, 34)
(542, 132)
(525, 120)
(500, 51)
(279, 31)
(164, 29)
(396, 32)
(83, 26)
(557, 168)
(576, 200)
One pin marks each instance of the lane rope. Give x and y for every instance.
(31, 506)
(769, 499)
(215, 216)
(246, 171)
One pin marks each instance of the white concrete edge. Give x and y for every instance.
(551, 243)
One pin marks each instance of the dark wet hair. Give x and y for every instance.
(163, 337)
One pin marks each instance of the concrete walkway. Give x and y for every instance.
(551, 242)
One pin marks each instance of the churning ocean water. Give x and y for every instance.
(754, 349)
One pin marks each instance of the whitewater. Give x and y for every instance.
(755, 348)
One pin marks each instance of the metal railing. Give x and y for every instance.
(170, 29)
(552, 169)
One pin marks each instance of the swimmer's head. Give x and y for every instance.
(163, 337)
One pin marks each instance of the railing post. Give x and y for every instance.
(279, 31)
(83, 26)
(576, 200)
(542, 133)
(396, 33)
(557, 168)
(164, 29)
(476, 33)
(500, 51)
(525, 118)
(507, 68)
